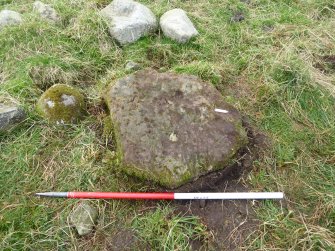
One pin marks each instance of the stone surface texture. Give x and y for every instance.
(10, 114)
(83, 217)
(8, 17)
(128, 20)
(176, 25)
(46, 11)
(61, 104)
(166, 128)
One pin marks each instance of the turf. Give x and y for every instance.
(276, 66)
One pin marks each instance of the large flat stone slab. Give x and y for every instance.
(167, 129)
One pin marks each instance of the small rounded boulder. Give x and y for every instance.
(61, 104)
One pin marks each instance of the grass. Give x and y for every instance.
(274, 66)
(164, 231)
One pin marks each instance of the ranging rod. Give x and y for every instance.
(165, 195)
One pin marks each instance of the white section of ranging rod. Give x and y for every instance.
(221, 110)
(229, 196)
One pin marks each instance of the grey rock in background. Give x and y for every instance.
(83, 217)
(132, 66)
(46, 11)
(167, 130)
(9, 17)
(10, 114)
(128, 20)
(237, 17)
(176, 25)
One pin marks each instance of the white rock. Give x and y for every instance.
(176, 25)
(128, 20)
(8, 17)
(46, 11)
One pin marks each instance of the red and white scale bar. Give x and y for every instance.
(229, 196)
(166, 195)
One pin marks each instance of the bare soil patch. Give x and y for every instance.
(126, 239)
(326, 64)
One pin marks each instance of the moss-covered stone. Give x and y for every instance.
(108, 127)
(61, 104)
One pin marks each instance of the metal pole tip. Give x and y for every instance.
(52, 194)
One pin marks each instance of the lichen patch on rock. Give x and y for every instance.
(173, 137)
(68, 100)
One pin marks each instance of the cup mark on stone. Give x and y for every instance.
(221, 110)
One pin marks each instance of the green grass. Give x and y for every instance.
(268, 66)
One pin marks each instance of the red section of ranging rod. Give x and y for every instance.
(120, 195)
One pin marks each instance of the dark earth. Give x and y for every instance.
(326, 64)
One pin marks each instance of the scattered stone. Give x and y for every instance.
(167, 130)
(268, 28)
(61, 104)
(83, 217)
(237, 17)
(129, 20)
(9, 17)
(176, 25)
(46, 11)
(10, 114)
(132, 66)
